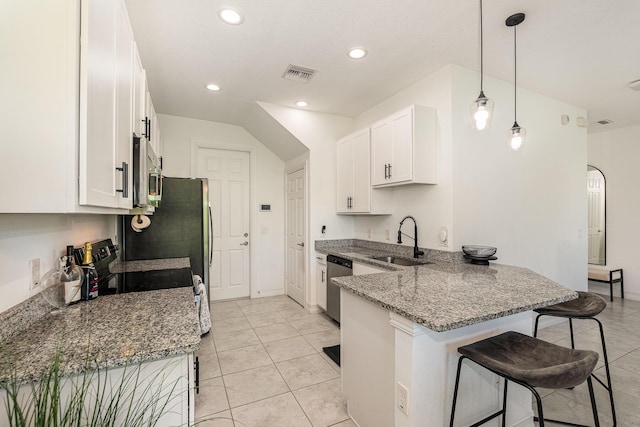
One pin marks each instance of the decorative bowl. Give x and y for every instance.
(479, 251)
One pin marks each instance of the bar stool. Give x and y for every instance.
(586, 306)
(531, 363)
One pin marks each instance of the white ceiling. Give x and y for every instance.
(583, 52)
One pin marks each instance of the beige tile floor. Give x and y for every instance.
(262, 366)
(621, 322)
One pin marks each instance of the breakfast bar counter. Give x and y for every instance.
(448, 296)
(400, 332)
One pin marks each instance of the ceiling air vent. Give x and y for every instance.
(605, 121)
(298, 74)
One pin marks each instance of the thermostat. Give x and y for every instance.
(265, 207)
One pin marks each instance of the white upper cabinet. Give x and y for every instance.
(404, 148)
(353, 166)
(67, 106)
(106, 90)
(153, 130)
(139, 96)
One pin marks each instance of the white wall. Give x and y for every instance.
(44, 236)
(267, 241)
(319, 132)
(532, 206)
(616, 154)
(430, 205)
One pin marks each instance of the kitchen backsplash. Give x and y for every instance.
(394, 249)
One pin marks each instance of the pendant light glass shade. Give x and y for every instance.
(482, 112)
(482, 107)
(517, 134)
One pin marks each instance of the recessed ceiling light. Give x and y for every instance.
(213, 88)
(302, 103)
(231, 16)
(357, 53)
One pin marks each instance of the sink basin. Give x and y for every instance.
(398, 261)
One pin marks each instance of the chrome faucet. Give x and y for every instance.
(416, 251)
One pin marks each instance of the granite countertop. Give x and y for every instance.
(113, 330)
(149, 264)
(446, 296)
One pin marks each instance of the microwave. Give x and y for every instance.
(147, 175)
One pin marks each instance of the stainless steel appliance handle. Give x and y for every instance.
(210, 237)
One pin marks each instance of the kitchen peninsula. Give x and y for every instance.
(401, 329)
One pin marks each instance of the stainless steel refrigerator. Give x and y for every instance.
(180, 227)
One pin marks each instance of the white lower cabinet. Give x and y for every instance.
(66, 106)
(144, 387)
(321, 280)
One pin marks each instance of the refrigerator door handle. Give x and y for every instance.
(210, 237)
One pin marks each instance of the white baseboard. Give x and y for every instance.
(314, 309)
(603, 289)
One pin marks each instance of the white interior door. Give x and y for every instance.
(229, 182)
(295, 235)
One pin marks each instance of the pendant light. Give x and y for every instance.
(482, 107)
(517, 133)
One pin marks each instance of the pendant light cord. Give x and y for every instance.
(481, 50)
(515, 75)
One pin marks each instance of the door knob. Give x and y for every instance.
(244, 244)
(301, 244)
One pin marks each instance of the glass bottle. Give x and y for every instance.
(71, 278)
(90, 288)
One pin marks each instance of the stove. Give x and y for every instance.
(105, 252)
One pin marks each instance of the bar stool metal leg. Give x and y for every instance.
(490, 417)
(607, 386)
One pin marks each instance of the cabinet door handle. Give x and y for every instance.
(386, 166)
(301, 244)
(146, 127)
(244, 244)
(125, 180)
(389, 170)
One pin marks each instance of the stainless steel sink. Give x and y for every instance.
(398, 261)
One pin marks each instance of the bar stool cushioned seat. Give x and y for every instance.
(531, 363)
(535, 362)
(587, 304)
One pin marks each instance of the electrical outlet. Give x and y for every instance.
(34, 268)
(443, 237)
(402, 396)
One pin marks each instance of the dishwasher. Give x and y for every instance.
(336, 267)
